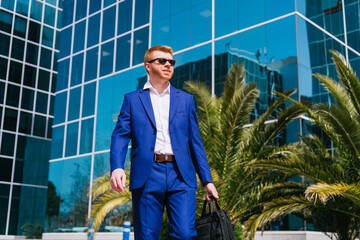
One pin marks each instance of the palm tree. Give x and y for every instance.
(230, 139)
(329, 196)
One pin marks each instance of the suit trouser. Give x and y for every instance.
(164, 187)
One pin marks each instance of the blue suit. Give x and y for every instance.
(162, 184)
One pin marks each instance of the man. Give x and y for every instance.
(166, 152)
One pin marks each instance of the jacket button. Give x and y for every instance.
(154, 132)
(151, 149)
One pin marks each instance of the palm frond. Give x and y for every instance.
(100, 186)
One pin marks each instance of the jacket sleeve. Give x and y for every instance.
(120, 137)
(197, 150)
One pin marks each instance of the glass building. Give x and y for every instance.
(28, 72)
(102, 44)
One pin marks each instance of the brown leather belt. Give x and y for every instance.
(163, 158)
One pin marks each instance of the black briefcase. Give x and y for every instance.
(215, 225)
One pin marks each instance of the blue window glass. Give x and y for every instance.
(8, 4)
(93, 30)
(53, 82)
(81, 9)
(77, 69)
(51, 110)
(25, 123)
(68, 12)
(50, 123)
(74, 104)
(45, 58)
(353, 27)
(4, 47)
(142, 12)
(32, 53)
(123, 46)
(47, 36)
(71, 139)
(89, 99)
(55, 61)
(101, 164)
(108, 2)
(22, 7)
(161, 10)
(95, 6)
(39, 126)
(201, 23)
(52, 2)
(20, 26)
(141, 43)
(108, 24)
(34, 32)
(36, 10)
(79, 36)
(3, 68)
(57, 40)
(59, 19)
(124, 16)
(180, 39)
(5, 21)
(57, 142)
(5, 163)
(49, 17)
(43, 80)
(17, 50)
(7, 144)
(27, 99)
(91, 67)
(2, 91)
(107, 58)
(63, 75)
(65, 42)
(41, 102)
(86, 137)
(10, 119)
(60, 108)
(161, 32)
(15, 72)
(4, 201)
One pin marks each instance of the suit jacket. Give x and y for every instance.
(136, 121)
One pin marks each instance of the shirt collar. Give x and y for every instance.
(152, 89)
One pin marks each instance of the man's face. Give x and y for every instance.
(160, 71)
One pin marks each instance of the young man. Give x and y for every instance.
(166, 152)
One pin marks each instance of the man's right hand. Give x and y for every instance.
(118, 180)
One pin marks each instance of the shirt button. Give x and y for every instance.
(154, 132)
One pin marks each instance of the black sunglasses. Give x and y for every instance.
(163, 61)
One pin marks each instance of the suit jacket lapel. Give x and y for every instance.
(145, 99)
(174, 101)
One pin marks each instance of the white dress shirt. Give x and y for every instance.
(161, 108)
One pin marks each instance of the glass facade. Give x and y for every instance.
(28, 72)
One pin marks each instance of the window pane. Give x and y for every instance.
(63, 77)
(25, 122)
(93, 30)
(74, 104)
(53, 82)
(107, 58)
(50, 123)
(36, 10)
(45, 58)
(142, 12)
(39, 126)
(123, 52)
(5, 21)
(4, 201)
(76, 70)
(95, 6)
(12, 97)
(124, 16)
(71, 139)
(49, 17)
(10, 119)
(9, 4)
(79, 38)
(34, 32)
(3, 68)
(108, 25)
(7, 144)
(68, 12)
(89, 99)
(43, 80)
(65, 42)
(57, 142)
(15, 72)
(2, 91)
(87, 128)
(81, 9)
(201, 23)
(6, 165)
(32, 53)
(5, 43)
(30, 76)
(17, 51)
(91, 67)
(141, 42)
(20, 26)
(108, 2)
(48, 37)
(27, 99)
(41, 102)
(52, 2)
(52, 101)
(60, 108)
(22, 7)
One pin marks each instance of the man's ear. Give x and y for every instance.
(147, 66)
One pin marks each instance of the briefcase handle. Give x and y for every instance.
(211, 206)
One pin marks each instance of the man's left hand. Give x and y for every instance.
(211, 191)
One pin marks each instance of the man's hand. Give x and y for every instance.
(118, 180)
(211, 191)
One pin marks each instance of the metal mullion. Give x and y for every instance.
(132, 33)
(213, 47)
